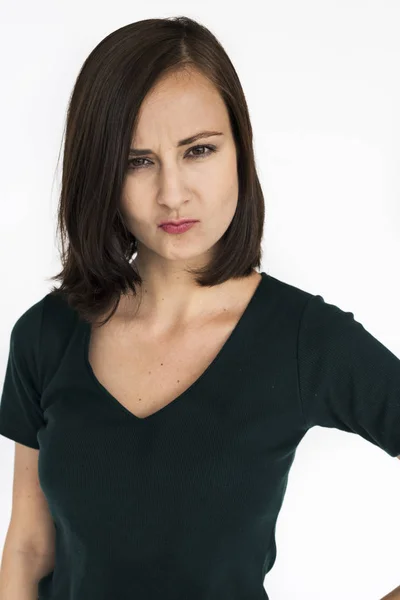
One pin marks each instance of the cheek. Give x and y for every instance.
(231, 198)
(222, 174)
(224, 189)
(130, 208)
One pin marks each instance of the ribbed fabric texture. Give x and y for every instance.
(183, 504)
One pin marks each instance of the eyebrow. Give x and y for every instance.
(184, 142)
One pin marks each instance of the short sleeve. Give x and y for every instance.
(21, 415)
(347, 378)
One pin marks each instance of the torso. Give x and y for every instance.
(145, 375)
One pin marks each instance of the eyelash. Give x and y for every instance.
(211, 149)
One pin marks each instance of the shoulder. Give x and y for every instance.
(31, 318)
(49, 320)
(26, 330)
(297, 304)
(314, 322)
(312, 308)
(24, 342)
(47, 309)
(320, 315)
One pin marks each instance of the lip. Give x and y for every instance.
(181, 222)
(178, 228)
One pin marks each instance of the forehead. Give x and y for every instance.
(178, 105)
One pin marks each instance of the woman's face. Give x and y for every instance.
(175, 182)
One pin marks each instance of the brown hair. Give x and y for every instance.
(115, 78)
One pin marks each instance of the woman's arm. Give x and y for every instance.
(20, 573)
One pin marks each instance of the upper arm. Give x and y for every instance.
(347, 378)
(31, 525)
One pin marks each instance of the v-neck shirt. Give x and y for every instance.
(184, 503)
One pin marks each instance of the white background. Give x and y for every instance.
(322, 84)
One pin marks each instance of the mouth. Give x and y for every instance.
(177, 223)
(171, 228)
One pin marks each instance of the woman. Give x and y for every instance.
(158, 396)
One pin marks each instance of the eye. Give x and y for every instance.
(211, 148)
(203, 154)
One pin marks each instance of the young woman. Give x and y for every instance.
(158, 396)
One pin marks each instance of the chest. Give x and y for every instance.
(143, 375)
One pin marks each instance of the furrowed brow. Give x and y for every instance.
(184, 142)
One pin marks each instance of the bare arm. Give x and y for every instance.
(20, 573)
(29, 547)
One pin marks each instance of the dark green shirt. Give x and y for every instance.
(183, 504)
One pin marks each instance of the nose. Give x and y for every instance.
(173, 189)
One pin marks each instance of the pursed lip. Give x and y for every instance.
(181, 222)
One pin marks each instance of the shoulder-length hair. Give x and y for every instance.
(103, 109)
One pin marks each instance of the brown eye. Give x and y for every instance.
(131, 163)
(211, 148)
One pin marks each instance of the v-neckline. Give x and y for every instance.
(241, 323)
